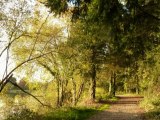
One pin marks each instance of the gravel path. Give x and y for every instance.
(126, 108)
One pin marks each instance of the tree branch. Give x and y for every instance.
(16, 85)
(37, 36)
(10, 73)
(140, 8)
(4, 82)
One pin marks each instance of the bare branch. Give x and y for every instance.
(47, 68)
(11, 42)
(15, 84)
(4, 82)
(31, 59)
(38, 35)
(7, 61)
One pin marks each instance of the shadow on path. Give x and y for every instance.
(126, 108)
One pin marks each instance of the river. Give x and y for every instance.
(5, 109)
(2, 105)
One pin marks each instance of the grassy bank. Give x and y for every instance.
(71, 114)
(64, 113)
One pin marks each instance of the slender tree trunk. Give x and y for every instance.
(125, 82)
(74, 92)
(93, 75)
(126, 87)
(112, 84)
(62, 94)
(136, 78)
(93, 83)
(58, 95)
(80, 92)
(137, 84)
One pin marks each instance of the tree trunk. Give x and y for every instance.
(93, 83)
(58, 96)
(80, 92)
(125, 82)
(126, 87)
(62, 94)
(74, 92)
(137, 85)
(112, 84)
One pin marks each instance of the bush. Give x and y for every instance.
(153, 115)
(152, 106)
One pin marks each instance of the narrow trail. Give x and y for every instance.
(126, 108)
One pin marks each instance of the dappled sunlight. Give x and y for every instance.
(76, 59)
(107, 115)
(121, 111)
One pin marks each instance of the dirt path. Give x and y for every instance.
(126, 108)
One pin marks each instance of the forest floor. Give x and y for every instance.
(126, 108)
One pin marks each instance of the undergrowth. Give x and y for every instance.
(152, 107)
(64, 113)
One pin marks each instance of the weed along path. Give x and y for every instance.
(126, 108)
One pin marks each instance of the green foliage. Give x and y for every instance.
(103, 107)
(101, 94)
(151, 103)
(57, 6)
(152, 106)
(149, 74)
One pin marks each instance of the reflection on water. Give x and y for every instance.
(6, 107)
(10, 104)
(2, 104)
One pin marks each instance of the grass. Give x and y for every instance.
(103, 107)
(129, 94)
(71, 114)
(64, 113)
(59, 114)
(113, 99)
(107, 98)
(74, 113)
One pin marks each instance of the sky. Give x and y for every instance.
(3, 40)
(7, 9)
(3, 36)
(2, 66)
